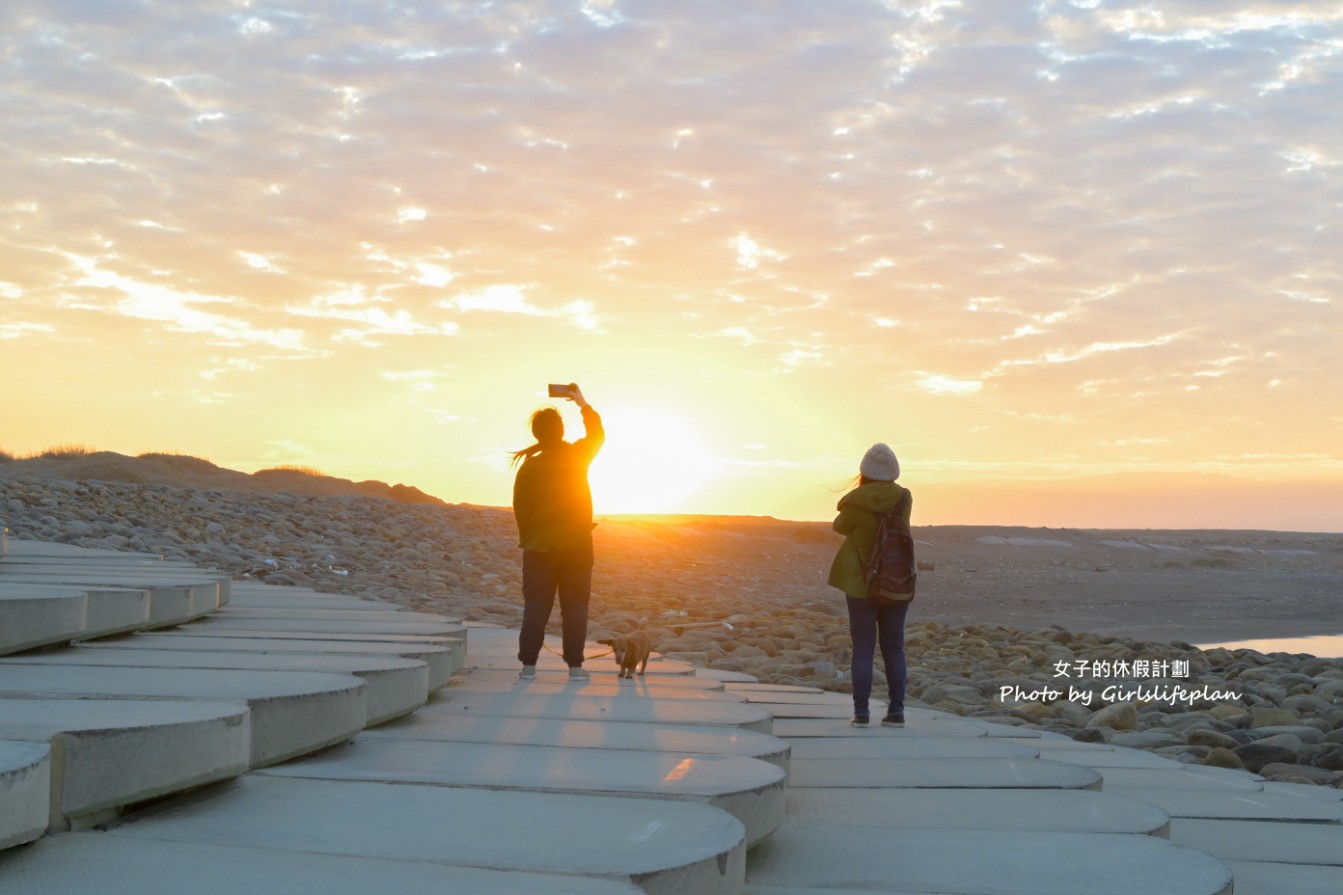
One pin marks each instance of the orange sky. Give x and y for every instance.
(1027, 246)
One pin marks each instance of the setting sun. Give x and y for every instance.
(652, 463)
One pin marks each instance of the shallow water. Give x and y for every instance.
(1325, 646)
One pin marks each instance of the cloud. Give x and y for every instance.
(416, 380)
(177, 310)
(1074, 208)
(19, 330)
(511, 299)
(370, 321)
(947, 385)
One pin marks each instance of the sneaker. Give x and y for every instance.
(859, 721)
(528, 673)
(578, 673)
(893, 719)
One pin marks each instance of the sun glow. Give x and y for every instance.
(652, 463)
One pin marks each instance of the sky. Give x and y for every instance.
(1077, 262)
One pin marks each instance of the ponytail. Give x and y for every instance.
(524, 454)
(547, 429)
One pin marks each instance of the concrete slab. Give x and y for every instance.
(375, 614)
(1107, 758)
(751, 791)
(667, 847)
(351, 627)
(1237, 805)
(504, 680)
(20, 550)
(109, 610)
(801, 728)
(293, 712)
(395, 686)
(40, 616)
(1187, 777)
(727, 677)
(596, 660)
(819, 711)
(1052, 744)
(607, 685)
(1008, 731)
(595, 708)
(129, 576)
(1255, 840)
(1262, 878)
(1003, 862)
(772, 688)
(1059, 810)
(1305, 791)
(938, 773)
(796, 698)
(588, 735)
(843, 748)
(456, 644)
(496, 649)
(108, 562)
(437, 658)
(314, 601)
(25, 791)
(115, 610)
(113, 753)
(246, 585)
(169, 603)
(87, 862)
(200, 629)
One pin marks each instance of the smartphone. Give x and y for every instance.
(559, 391)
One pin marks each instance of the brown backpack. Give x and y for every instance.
(890, 568)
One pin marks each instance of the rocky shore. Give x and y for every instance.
(987, 638)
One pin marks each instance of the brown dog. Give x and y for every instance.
(631, 651)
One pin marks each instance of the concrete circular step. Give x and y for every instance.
(25, 791)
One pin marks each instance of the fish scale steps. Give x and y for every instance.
(288, 740)
(95, 720)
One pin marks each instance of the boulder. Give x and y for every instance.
(1232, 714)
(1200, 737)
(1328, 756)
(1272, 716)
(1071, 713)
(1297, 773)
(1154, 738)
(1223, 758)
(1254, 756)
(1120, 716)
(1307, 735)
(1283, 740)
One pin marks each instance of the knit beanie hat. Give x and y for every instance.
(879, 464)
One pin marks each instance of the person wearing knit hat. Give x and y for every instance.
(872, 623)
(879, 464)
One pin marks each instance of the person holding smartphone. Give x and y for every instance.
(552, 504)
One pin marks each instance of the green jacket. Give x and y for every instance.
(552, 502)
(859, 513)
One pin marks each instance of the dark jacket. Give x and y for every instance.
(859, 512)
(551, 498)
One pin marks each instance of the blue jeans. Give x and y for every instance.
(568, 572)
(871, 623)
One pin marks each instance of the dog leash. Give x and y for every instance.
(585, 658)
